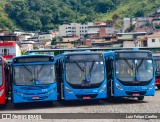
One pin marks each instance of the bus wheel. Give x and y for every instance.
(141, 98)
(158, 87)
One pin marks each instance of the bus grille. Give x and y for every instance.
(90, 95)
(140, 92)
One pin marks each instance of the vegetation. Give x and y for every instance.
(57, 39)
(157, 26)
(5, 21)
(134, 8)
(130, 28)
(34, 15)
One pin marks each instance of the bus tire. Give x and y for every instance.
(141, 98)
(158, 87)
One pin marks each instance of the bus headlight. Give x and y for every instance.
(151, 87)
(68, 89)
(18, 93)
(1, 92)
(103, 88)
(118, 86)
(50, 92)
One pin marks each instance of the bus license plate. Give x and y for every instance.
(86, 97)
(136, 94)
(35, 98)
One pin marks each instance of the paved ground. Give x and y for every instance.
(123, 105)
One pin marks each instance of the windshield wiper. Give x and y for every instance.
(79, 66)
(33, 74)
(39, 70)
(90, 70)
(134, 69)
(128, 63)
(140, 64)
(137, 78)
(30, 71)
(137, 67)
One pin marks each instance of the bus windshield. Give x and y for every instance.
(84, 72)
(34, 74)
(1, 75)
(131, 70)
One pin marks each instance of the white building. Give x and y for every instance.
(9, 50)
(44, 38)
(74, 29)
(153, 40)
(26, 47)
(130, 39)
(25, 36)
(18, 32)
(96, 28)
(127, 22)
(129, 44)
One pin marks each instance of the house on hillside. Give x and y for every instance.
(25, 36)
(68, 42)
(74, 29)
(4, 32)
(9, 47)
(141, 24)
(129, 39)
(45, 39)
(8, 50)
(152, 40)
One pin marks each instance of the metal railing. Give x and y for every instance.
(60, 51)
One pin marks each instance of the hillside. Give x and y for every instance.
(35, 15)
(134, 8)
(5, 21)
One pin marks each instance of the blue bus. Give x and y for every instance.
(130, 73)
(81, 75)
(33, 78)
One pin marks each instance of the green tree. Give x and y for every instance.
(46, 18)
(115, 17)
(57, 39)
(131, 28)
(47, 14)
(104, 6)
(53, 40)
(139, 13)
(157, 26)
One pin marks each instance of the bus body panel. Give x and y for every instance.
(3, 94)
(80, 94)
(120, 90)
(67, 92)
(132, 91)
(158, 81)
(34, 93)
(4, 85)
